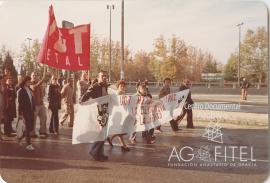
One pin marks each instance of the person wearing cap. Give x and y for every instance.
(121, 86)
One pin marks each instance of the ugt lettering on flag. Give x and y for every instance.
(64, 48)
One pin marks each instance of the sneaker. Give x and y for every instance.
(99, 157)
(43, 135)
(30, 147)
(125, 149)
(95, 157)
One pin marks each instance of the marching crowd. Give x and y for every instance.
(25, 101)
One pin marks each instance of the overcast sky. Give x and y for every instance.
(206, 24)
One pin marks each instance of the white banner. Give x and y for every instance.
(117, 114)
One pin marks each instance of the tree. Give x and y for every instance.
(253, 60)
(1, 64)
(254, 55)
(230, 71)
(94, 56)
(8, 63)
(197, 60)
(169, 58)
(210, 65)
(29, 55)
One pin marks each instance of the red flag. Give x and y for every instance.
(64, 48)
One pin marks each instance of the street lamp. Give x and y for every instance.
(110, 7)
(29, 39)
(238, 73)
(28, 66)
(122, 43)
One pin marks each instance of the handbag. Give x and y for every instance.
(20, 127)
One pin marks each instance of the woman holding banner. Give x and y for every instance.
(121, 86)
(148, 135)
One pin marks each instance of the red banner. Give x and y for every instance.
(64, 48)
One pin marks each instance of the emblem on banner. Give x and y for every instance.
(180, 100)
(103, 114)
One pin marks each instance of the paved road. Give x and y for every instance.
(244, 108)
(261, 100)
(56, 160)
(255, 103)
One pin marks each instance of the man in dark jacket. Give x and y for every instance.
(96, 90)
(244, 87)
(165, 90)
(10, 106)
(187, 108)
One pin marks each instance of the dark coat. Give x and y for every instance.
(244, 84)
(165, 90)
(10, 102)
(54, 97)
(25, 108)
(94, 91)
(189, 99)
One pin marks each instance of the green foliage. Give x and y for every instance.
(230, 71)
(8, 63)
(210, 65)
(30, 54)
(169, 58)
(253, 60)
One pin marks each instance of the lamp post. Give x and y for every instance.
(122, 43)
(238, 69)
(110, 7)
(29, 48)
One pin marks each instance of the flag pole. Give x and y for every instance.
(46, 45)
(89, 52)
